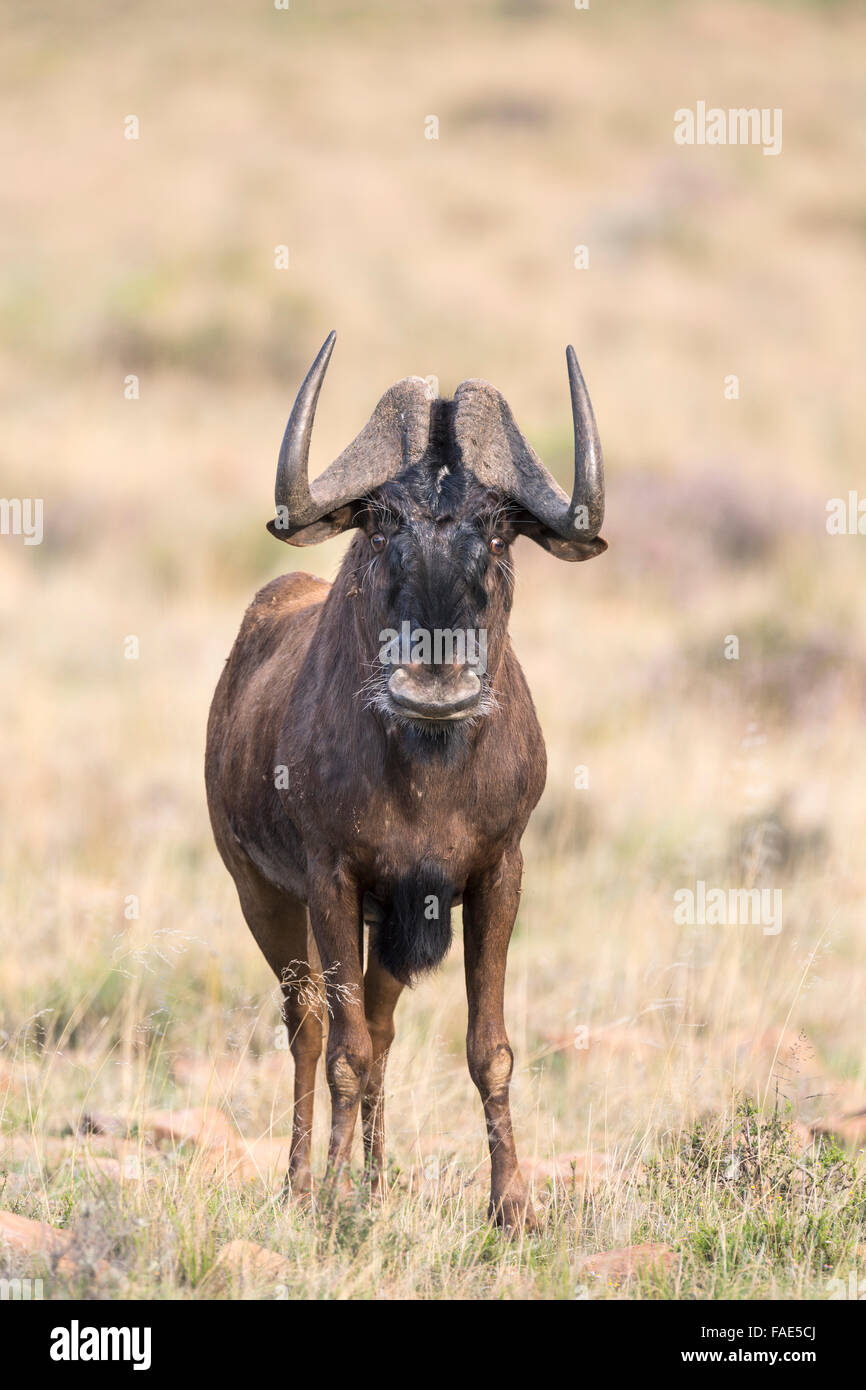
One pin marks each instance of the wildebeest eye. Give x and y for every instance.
(497, 546)
(377, 541)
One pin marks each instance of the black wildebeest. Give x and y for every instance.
(353, 784)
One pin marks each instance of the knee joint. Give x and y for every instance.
(347, 1074)
(490, 1069)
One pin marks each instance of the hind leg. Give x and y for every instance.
(381, 992)
(278, 922)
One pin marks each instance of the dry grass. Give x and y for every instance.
(453, 257)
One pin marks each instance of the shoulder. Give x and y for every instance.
(289, 593)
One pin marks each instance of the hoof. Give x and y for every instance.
(376, 1179)
(513, 1212)
(297, 1189)
(337, 1186)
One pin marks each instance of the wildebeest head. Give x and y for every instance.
(438, 491)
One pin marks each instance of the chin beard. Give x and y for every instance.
(428, 738)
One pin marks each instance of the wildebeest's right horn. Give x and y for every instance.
(397, 434)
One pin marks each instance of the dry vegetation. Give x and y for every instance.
(452, 257)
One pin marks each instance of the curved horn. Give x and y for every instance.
(292, 487)
(495, 450)
(396, 435)
(588, 490)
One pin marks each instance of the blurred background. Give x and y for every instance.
(128, 977)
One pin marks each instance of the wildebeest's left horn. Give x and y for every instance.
(494, 448)
(397, 434)
(587, 500)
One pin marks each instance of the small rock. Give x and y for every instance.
(265, 1160)
(202, 1125)
(618, 1265)
(38, 1237)
(126, 1169)
(24, 1234)
(39, 1150)
(246, 1263)
(850, 1129)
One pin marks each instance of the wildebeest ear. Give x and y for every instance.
(322, 530)
(563, 549)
